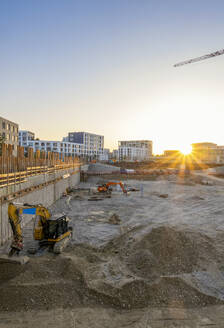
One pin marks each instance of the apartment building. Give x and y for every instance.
(63, 148)
(140, 150)
(9, 132)
(24, 138)
(207, 152)
(115, 154)
(93, 143)
(27, 140)
(171, 156)
(85, 145)
(104, 156)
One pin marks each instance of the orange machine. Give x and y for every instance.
(106, 187)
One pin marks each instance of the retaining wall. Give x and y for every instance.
(43, 189)
(102, 168)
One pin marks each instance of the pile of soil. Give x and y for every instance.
(138, 269)
(166, 251)
(153, 267)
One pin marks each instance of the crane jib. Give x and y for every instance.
(213, 54)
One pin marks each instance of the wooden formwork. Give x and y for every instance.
(16, 169)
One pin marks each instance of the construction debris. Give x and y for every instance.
(95, 198)
(114, 219)
(163, 195)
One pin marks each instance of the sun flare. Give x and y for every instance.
(186, 150)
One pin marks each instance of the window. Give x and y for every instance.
(3, 125)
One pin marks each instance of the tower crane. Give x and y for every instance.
(213, 54)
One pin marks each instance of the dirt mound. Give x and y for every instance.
(9, 271)
(44, 282)
(137, 269)
(150, 268)
(166, 291)
(166, 250)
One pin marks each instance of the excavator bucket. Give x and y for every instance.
(14, 259)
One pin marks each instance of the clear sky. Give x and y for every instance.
(106, 66)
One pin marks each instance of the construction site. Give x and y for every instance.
(143, 253)
(101, 239)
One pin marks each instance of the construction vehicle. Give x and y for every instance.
(49, 231)
(105, 188)
(189, 61)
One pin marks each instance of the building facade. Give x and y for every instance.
(171, 156)
(140, 150)
(104, 156)
(115, 154)
(9, 132)
(93, 143)
(25, 137)
(208, 152)
(27, 140)
(63, 148)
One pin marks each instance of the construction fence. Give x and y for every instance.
(16, 169)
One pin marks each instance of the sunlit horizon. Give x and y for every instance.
(91, 70)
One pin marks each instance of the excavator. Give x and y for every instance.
(105, 188)
(49, 231)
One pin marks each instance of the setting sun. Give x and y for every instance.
(186, 150)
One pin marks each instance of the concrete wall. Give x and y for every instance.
(102, 168)
(45, 195)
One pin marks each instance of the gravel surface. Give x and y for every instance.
(160, 252)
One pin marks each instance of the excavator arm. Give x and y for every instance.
(15, 212)
(14, 220)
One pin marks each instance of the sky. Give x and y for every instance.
(106, 67)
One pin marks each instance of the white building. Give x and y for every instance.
(140, 150)
(26, 140)
(92, 143)
(115, 154)
(105, 155)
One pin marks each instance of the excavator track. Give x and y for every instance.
(59, 246)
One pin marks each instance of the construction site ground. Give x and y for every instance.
(153, 258)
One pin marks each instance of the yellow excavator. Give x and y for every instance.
(49, 231)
